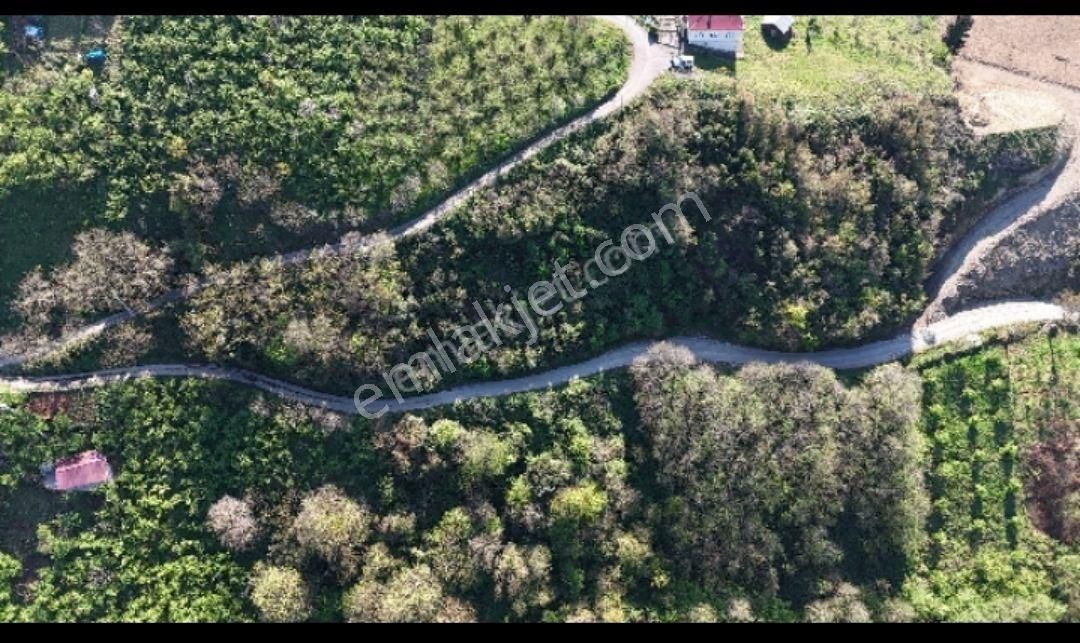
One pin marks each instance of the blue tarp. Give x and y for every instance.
(34, 32)
(95, 56)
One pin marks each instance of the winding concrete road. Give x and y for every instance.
(649, 61)
(957, 327)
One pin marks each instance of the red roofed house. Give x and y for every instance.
(720, 33)
(78, 473)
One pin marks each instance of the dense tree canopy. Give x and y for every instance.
(279, 594)
(679, 492)
(763, 466)
(944, 489)
(230, 136)
(820, 233)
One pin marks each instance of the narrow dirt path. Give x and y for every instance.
(966, 255)
(648, 62)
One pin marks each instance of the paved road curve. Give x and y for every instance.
(956, 327)
(1061, 184)
(649, 62)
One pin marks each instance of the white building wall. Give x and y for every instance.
(726, 40)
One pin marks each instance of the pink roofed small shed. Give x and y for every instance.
(78, 473)
(714, 23)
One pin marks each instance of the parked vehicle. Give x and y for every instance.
(682, 63)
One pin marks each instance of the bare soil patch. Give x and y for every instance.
(1046, 47)
(1054, 483)
(1034, 260)
(1004, 109)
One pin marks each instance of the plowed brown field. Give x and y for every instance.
(1046, 47)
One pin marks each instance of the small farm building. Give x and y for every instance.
(82, 472)
(719, 33)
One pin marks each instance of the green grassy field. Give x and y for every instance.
(851, 61)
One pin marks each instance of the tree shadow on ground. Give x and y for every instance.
(776, 42)
(37, 226)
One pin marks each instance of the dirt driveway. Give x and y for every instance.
(987, 261)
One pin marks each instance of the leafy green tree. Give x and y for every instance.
(884, 459)
(796, 264)
(484, 455)
(280, 594)
(410, 595)
(449, 553)
(843, 606)
(580, 505)
(10, 570)
(188, 589)
(522, 577)
(333, 527)
(753, 458)
(1067, 575)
